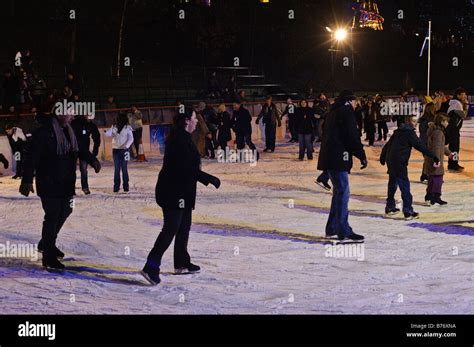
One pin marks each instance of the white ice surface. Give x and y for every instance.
(279, 266)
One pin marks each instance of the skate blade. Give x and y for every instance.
(144, 274)
(184, 272)
(322, 186)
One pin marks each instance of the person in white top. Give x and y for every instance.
(457, 113)
(122, 139)
(17, 140)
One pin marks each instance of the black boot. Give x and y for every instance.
(428, 198)
(436, 199)
(51, 262)
(151, 272)
(55, 251)
(187, 269)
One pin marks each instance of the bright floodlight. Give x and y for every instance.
(341, 34)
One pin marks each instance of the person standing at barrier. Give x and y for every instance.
(17, 140)
(51, 158)
(122, 139)
(84, 129)
(242, 124)
(271, 118)
(175, 193)
(135, 120)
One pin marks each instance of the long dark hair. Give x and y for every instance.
(179, 123)
(122, 121)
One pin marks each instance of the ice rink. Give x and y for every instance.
(258, 240)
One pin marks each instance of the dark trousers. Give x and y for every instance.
(338, 220)
(270, 136)
(382, 130)
(137, 136)
(83, 169)
(435, 183)
(210, 148)
(454, 138)
(403, 183)
(370, 132)
(56, 211)
(18, 156)
(243, 138)
(291, 128)
(120, 164)
(176, 223)
(306, 145)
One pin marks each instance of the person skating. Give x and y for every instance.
(84, 129)
(305, 123)
(381, 119)
(436, 144)
(241, 120)
(339, 144)
(290, 112)
(51, 158)
(17, 140)
(456, 115)
(371, 114)
(427, 117)
(176, 194)
(122, 139)
(224, 126)
(396, 154)
(271, 119)
(135, 119)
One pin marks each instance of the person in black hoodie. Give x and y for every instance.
(340, 142)
(271, 118)
(305, 123)
(396, 154)
(84, 129)
(241, 121)
(51, 157)
(176, 194)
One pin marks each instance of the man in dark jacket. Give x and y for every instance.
(271, 118)
(84, 129)
(51, 157)
(396, 154)
(241, 120)
(340, 142)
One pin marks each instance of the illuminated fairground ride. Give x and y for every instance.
(366, 15)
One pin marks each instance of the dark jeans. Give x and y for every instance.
(120, 164)
(382, 130)
(292, 128)
(306, 145)
(403, 183)
(137, 136)
(19, 159)
(338, 221)
(270, 136)
(176, 222)
(210, 148)
(83, 169)
(56, 211)
(435, 183)
(244, 138)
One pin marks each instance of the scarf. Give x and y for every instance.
(64, 146)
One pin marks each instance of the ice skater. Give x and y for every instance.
(340, 142)
(122, 139)
(17, 140)
(176, 194)
(396, 154)
(271, 119)
(436, 144)
(51, 158)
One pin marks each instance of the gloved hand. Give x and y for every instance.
(364, 164)
(96, 165)
(26, 188)
(215, 182)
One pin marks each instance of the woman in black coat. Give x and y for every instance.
(224, 127)
(176, 195)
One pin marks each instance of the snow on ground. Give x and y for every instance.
(259, 252)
